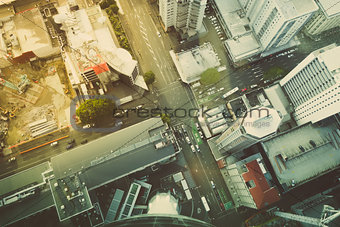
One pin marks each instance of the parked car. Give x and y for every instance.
(197, 148)
(54, 144)
(12, 159)
(198, 126)
(266, 81)
(201, 134)
(83, 141)
(253, 86)
(193, 148)
(188, 139)
(159, 34)
(87, 126)
(68, 147)
(290, 55)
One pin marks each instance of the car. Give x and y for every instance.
(184, 129)
(193, 148)
(266, 81)
(253, 86)
(54, 144)
(302, 148)
(118, 114)
(201, 134)
(197, 148)
(244, 89)
(181, 41)
(71, 141)
(118, 123)
(83, 141)
(159, 34)
(138, 107)
(200, 92)
(68, 147)
(293, 183)
(212, 184)
(87, 126)
(290, 55)
(188, 139)
(12, 159)
(198, 126)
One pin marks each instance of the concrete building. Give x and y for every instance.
(190, 64)
(92, 55)
(259, 28)
(250, 183)
(23, 40)
(102, 161)
(275, 22)
(327, 17)
(185, 16)
(304, 153)
(257, 124)
(313, 86)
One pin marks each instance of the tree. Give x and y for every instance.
(274, 73)
(149, 77)
(95, 110)
(165, 118)
(210, 76)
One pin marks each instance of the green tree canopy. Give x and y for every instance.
(149, 77)
(210, 76)
(95, 110)
(165, 118)
(274, 73)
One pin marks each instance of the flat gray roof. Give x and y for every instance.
(20, 210)
(303, 166)
(82, 156)
(126, 164)
(23, 178)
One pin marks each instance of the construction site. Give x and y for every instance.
(34, 99)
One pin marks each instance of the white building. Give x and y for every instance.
(327, 17)
(185, 15)
(275, 22)
(190, 64)
(313, 86)
(256, 125)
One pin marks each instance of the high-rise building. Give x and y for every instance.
(185, 16)
(313, 86)
(327, 17)
(275, 22)
(256, 125)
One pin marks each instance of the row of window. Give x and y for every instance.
(320, 97)
(307, 115)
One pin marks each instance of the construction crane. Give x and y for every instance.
(328, 214)
(22, 86)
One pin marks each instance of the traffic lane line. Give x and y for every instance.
(44, 144)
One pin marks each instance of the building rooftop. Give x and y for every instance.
(192, 63)
(293, 8)
(233, 16)
(291, 163)
(262, 193)
(243, 47)
(330, 7)
(261, 122)
(23, 179)
(69, 162)
(32, 34)
(279, 101)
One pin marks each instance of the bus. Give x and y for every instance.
(205, 203)
(232, 91)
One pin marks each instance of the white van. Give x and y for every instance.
(54, 144)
